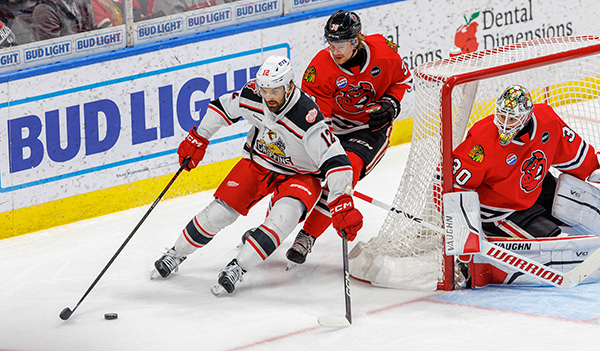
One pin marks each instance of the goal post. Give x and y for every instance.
(450, 96)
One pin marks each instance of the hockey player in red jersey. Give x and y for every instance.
(358, 83)
(506, 157)
(289, 149)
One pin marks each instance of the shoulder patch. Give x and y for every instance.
(311, 116)
(251, 91)
(392, 45)
(477, 154)
(310, 74)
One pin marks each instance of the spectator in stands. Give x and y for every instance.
(170, 7)
(7, 38)
(18, 18)
(56, 18)
(107, 13)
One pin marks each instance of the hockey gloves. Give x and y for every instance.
(383, 116)
(194, 147)
(345, 217)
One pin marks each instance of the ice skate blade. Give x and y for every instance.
(218, 289)
(333, 321)
(290, 265)
(155, 275)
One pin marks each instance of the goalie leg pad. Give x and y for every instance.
(562, 254)
(462, 223)
(577, 203)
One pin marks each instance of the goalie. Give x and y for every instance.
(506, 157)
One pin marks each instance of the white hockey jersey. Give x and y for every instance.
(294, 141)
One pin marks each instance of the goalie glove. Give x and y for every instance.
(194, 147)
(345, 217)
(383, 113)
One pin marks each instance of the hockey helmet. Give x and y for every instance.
(513, 111)
(276, 71)
(342, 26)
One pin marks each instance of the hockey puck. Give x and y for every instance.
(110, 316)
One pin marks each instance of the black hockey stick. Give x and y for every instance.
(336, 321)
(67, 312)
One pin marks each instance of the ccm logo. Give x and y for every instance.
(341, 207)
(194, 141)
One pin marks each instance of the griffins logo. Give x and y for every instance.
(356, 99)
(534, 170)
(274, 147)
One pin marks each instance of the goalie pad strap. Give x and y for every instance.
(527, 224)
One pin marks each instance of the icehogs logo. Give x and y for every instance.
(357, 98)
(253, 86)
(534, 170)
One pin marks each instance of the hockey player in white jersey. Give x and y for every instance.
(287, 153)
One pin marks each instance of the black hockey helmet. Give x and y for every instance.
(342, 25)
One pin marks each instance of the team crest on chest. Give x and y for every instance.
(274, 147)
(534, 170)
(477, 154)
(355, 99)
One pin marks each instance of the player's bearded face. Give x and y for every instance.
(274, 97)
(342, 51)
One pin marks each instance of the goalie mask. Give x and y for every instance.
(513, 111)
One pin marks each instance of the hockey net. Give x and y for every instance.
(451, 95)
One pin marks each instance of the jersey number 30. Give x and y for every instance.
(461, 176)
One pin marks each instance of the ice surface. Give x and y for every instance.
(272, 309)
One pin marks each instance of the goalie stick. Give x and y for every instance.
(338, 321)
(67, 312)
(565, 280)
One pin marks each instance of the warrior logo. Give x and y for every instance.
(357, 98)
(534, 170)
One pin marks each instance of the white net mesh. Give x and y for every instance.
(404, 254)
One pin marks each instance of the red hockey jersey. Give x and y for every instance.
(344, 96)
(508, 178)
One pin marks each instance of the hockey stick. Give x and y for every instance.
(67, 312)
(337, 321)
(380, 204)
(508, 258)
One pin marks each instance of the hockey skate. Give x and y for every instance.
(227, 278)
(300, 249)
(167, 264)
